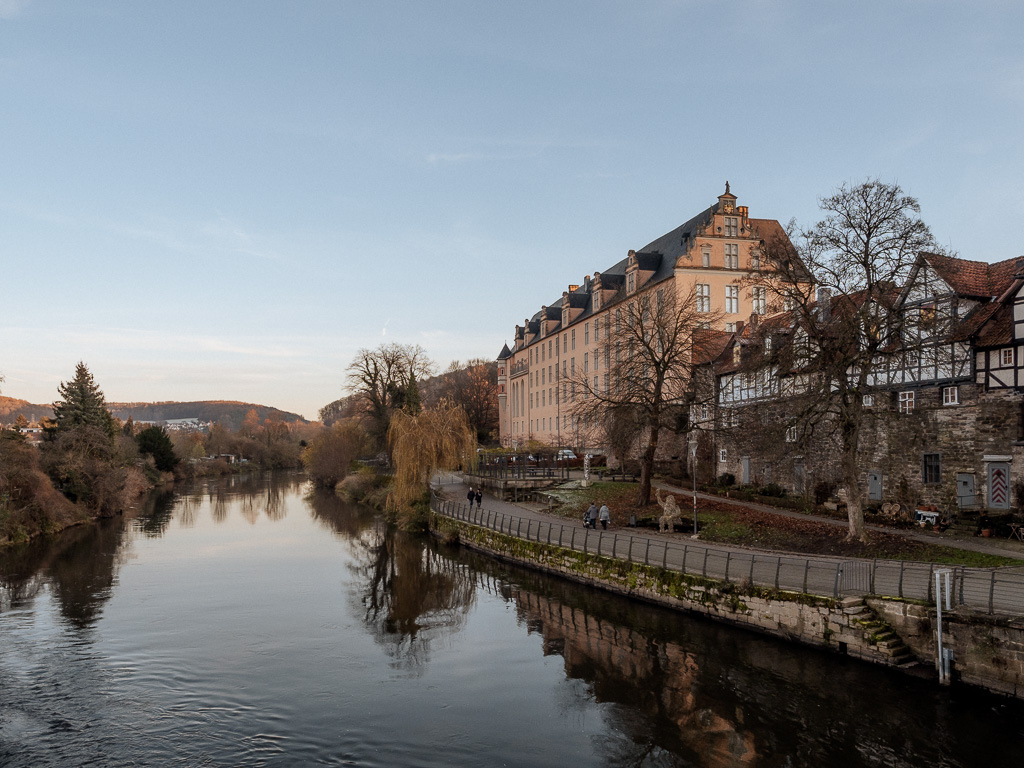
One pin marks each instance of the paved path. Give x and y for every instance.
(985, 589)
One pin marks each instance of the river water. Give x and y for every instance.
(253, 621)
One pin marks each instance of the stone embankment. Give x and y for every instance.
(988, 650)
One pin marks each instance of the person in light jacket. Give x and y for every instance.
(606, 516)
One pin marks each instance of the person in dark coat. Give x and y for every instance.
(469, 497)
(479, 498)
(591, 520)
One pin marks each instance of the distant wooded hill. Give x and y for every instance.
(11, 407)
(229, 413)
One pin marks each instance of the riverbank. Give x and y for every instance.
(988, 649)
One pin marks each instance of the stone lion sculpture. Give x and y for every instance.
(670, 509)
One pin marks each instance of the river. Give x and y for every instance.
(253, 621)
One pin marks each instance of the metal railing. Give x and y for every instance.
(992, 590)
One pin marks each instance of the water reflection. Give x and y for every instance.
(685, 689)
(410, 596)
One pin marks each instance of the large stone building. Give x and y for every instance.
(713, 259)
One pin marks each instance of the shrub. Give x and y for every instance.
(726, 479)
(773, 489)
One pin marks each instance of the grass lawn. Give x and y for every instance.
(729, 524)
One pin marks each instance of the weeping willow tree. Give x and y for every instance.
(437, 438)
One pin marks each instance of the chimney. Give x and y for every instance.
(753, 321)
(739, 328)
(743, 210)
(573, 288)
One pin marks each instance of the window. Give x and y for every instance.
(732, 256)
(932, 468)
(927, 316)
(706, 257)
(732, 226)
(730, 327)
(630, 282)
(758, 297)
(951, 395)
(572, 366)
(573, 339)
(907, 401)
(541, 351)
(565, 343)
(595, 383)
(586, 333)
(607, 357)
(721, 454)
(788, 303)
(791, 435)
(542, 381)
(755, 258)
(1006, 357)
(732, 299)
(586, 362)
(597, 359)
(549, 347)
(597, 304)
(597, 328)
(703, 297)
(868, 401)
(704, 411)
(563, 367)
(767, 344)
(606, 380)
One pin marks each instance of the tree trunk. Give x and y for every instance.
(851, 484)
(647, 468)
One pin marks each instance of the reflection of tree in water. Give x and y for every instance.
(156, 513)
(80, 565)
(337, 515)
(411, 594)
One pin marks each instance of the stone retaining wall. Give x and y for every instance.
(989, 651)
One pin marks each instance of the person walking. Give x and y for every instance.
(591, 519)
(469, 497)
(479, 498)
(606, 516)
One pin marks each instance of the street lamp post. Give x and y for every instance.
(693, 453)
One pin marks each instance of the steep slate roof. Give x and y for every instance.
(505, 352)
(672, 244)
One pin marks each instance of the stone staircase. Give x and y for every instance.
(878, 634)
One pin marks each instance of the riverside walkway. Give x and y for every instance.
(988, 590)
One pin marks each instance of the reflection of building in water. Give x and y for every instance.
(623, 665)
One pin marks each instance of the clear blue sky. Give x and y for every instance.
(228, 199)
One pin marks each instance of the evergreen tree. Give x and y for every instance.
(412, 404)
(156, 442)
(82, 403)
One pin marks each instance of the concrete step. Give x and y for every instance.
(850, 602)
(855, 610)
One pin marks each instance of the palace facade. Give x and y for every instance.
(713, 259)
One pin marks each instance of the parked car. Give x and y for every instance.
(565, 455)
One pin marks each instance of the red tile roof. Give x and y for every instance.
(973, 278)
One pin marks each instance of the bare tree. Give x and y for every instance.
(857, 255)
(654, 345)
(474, 386)
(381, 378)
